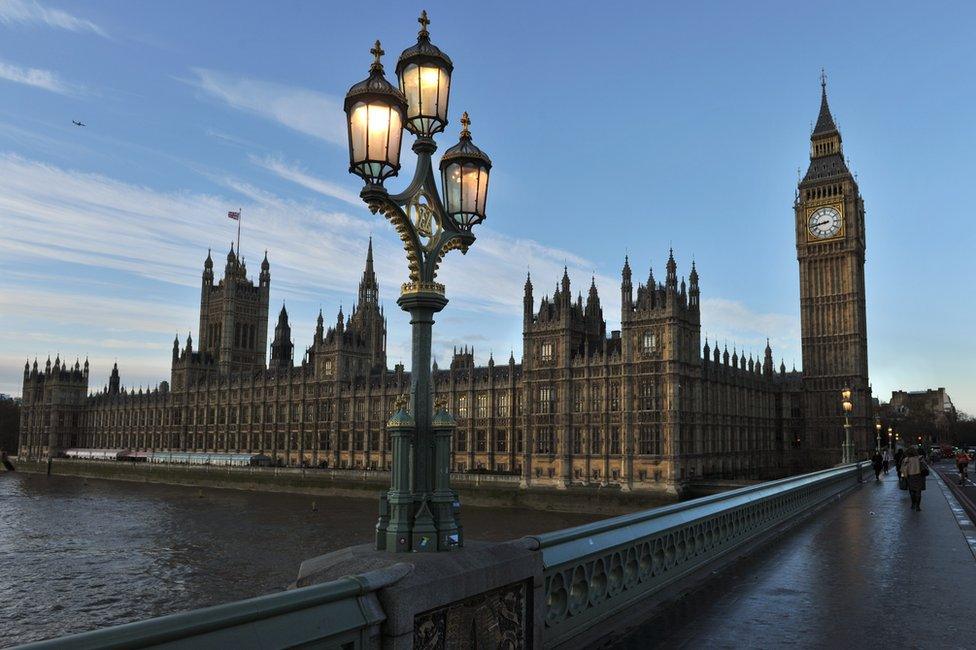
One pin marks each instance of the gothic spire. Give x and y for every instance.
(825, 121)
(368, 286)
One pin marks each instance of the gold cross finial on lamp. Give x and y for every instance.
(377, 52)
(465, 123)
(424, 21)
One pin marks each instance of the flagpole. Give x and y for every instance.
(240, 215)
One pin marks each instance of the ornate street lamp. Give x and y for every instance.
(420, 511)
(375, 113)
(425, 80)
(848, 405)
(877, 435)
(890, 442)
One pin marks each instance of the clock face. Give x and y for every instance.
(824, 222)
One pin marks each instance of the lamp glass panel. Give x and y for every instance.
(378, 131)
(396, 134)
(426, 88)
(410, 85)
(452, 188)
(357, 133)
(430, 83)
(482, 191)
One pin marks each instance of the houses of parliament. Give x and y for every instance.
(648, 407)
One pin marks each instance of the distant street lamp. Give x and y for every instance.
(889, 438)
(848, 405)
(420, 511)
(877, 436)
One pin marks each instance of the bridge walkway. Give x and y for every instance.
(865, 572)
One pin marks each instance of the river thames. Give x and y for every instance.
(78, 554)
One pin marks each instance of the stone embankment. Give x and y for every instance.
(486, 490)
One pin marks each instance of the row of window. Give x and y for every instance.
(646, 395)
(546, 350)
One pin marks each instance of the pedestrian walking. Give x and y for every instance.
(899, 457)
(914, 470)
(876, 463)
(886, 460)
(962, 462)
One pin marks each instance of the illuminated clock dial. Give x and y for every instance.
(824, 222)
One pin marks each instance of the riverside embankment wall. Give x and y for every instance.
(487, 490)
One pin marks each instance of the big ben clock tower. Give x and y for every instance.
(830, 246)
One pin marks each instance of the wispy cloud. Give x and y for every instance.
(306, 111)
(31, 12)
(234, 140)
(735, 323)
(300, 176)
(36, 77)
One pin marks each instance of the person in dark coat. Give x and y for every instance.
(899, 456)
(877, 462)
(914, 470)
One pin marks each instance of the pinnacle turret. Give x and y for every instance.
(671, 281)
(282, 349)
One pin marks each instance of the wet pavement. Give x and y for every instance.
(865, 572)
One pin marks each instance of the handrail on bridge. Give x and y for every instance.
(721, 500)
(599, 570)
(281, 619)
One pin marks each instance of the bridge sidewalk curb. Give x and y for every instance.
(961, 514)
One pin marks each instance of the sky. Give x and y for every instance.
(614, 128)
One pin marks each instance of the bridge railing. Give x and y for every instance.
(597, 571)
(344, 614)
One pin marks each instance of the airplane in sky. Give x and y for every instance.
(77, 123)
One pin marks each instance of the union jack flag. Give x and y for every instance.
(236, 216)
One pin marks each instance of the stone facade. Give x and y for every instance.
(648, 407)
(641, 408)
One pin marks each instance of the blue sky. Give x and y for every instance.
(614, 128)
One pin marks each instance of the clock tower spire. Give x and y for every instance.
(830, 247)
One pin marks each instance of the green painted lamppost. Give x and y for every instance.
(848, 406)
(420, 511)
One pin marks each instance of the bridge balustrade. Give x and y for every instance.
(597, 572)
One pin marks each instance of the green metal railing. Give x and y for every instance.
(343, 614)
(596, 571)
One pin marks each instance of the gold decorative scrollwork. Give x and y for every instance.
(425, 220)
(449, 245)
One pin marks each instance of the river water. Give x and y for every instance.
(78, 554)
